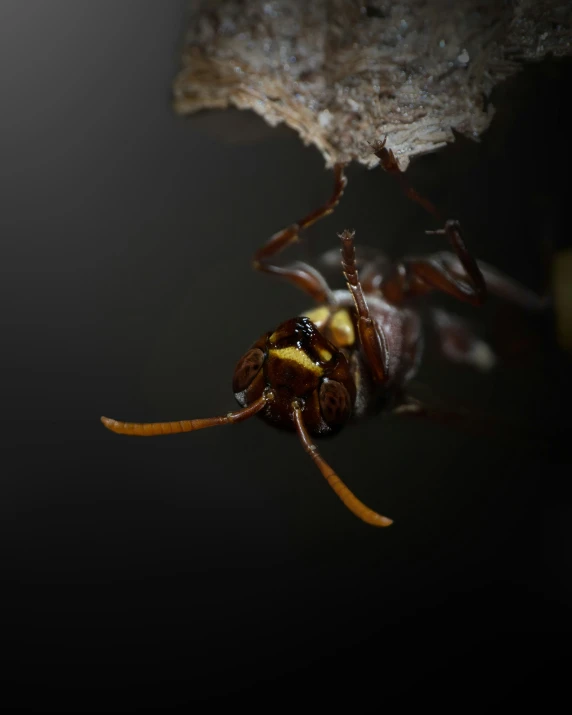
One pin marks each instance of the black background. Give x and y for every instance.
(218, 565)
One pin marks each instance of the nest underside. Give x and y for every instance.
(343, 74)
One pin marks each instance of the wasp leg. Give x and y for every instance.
(457, 275)
(503, 286)
(478, 424)
(436, 272)
(389, 163)
(372, 264)
(301, 274)
(305, 277)
(372, 340)
(464, 420)
(459, 344)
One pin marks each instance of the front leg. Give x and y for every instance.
(372, 340)
(301, 274)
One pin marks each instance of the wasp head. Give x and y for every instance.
(299, 368)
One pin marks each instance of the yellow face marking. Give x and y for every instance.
(298, 356)
(342, 329)
(318, 316)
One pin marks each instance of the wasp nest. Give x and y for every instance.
(344, 73)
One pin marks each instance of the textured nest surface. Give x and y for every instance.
(344, 73)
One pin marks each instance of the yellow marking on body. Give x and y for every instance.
(298, 356)
(342, 329)
(318, 316)
(326, 355)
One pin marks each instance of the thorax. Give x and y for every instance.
(401, 327)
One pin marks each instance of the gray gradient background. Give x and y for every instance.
(218, 564)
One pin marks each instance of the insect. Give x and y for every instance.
(353, 354)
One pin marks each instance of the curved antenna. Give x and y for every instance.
(350, 500)
(152, 429)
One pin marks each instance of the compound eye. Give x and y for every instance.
(335, 403)
(247, 369)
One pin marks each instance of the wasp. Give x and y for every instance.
(355, 351)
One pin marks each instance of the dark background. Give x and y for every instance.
(219, 565)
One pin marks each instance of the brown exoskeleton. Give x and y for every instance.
(355, 353)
